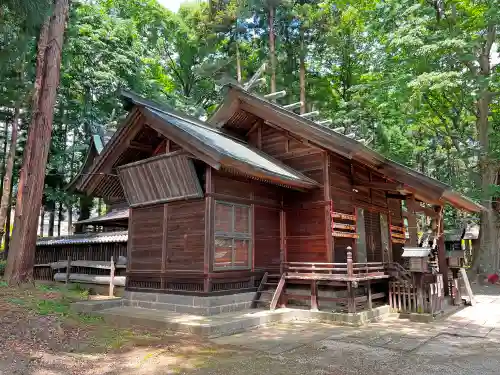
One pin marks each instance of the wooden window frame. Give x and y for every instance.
(234, 236)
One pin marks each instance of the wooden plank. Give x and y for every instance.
(112, 278)
(164, 245)
(277, 293)
(340, 215)
(397, 240)
(344, 234)
(344, 226)
(390, 296)
(396, 228)
(399, 296)
(258, 293)
(68, 269)
(370, 306)
(314, 295)
(377, 185)
(398, 235)
(466, 282)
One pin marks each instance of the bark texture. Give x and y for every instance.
(7, 178)
(302, 73)
(272, 48)
(31, 182)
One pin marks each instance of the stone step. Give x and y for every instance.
(205, 326)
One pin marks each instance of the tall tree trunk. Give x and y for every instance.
(42, 220)
(4, 155)
(31, 182)
(7, 178)
(238, 63)
(52, 217)
(302, 73)
(70, 218)
(272, 47)
(85, 208)
(59, 219)
(7, 225)
(487, 259)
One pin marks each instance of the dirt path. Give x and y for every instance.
(39, 336)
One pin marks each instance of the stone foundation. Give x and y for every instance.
(205, 306)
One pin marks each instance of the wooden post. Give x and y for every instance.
(112, 278)
(350, 270)
(314, 295)
(370, 306)
(412, 221)
(68, 270)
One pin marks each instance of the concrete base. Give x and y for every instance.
(230, 323)
(205, 306)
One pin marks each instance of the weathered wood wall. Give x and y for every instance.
(265, 203)
(305, 220)
(167, 237)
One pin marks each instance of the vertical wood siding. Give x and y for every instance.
(184, 235)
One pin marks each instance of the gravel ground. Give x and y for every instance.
(54, 344)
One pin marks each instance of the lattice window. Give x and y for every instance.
(233, 236)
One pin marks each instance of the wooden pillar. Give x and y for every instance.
(314, 295)
(283, 255)
(328, 216)
(412, 220)
(443, 265)
(209, 230)
(370, 306)
(112, 277)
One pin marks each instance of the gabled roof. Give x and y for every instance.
(206, 143)
(98, 140)
(424, 187)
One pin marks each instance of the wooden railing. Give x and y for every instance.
(348, 271)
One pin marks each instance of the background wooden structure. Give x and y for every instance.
(258, 190)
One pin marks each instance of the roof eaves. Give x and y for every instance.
(357, 150)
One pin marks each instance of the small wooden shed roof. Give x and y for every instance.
(113, 216)
(240, 106)
(204, 142)
(84, 238)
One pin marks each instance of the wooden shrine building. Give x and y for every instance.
(257, 190)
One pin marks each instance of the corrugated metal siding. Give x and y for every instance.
(84, 238)
(160, 179)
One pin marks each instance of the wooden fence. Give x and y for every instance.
(417, 296)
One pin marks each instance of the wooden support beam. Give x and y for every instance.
(443, 264)
(378, 185)
(412, 220)
(314, 295)
(254, 126)
(324, 122)
(275, 95)
(112, 278)
(293, 106)
(310, 114)
(140, 146)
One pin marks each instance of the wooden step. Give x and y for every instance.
(267, 291)
(271, 284)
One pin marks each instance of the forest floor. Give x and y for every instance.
(39, 335)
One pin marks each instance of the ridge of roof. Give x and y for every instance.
(354, 149)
